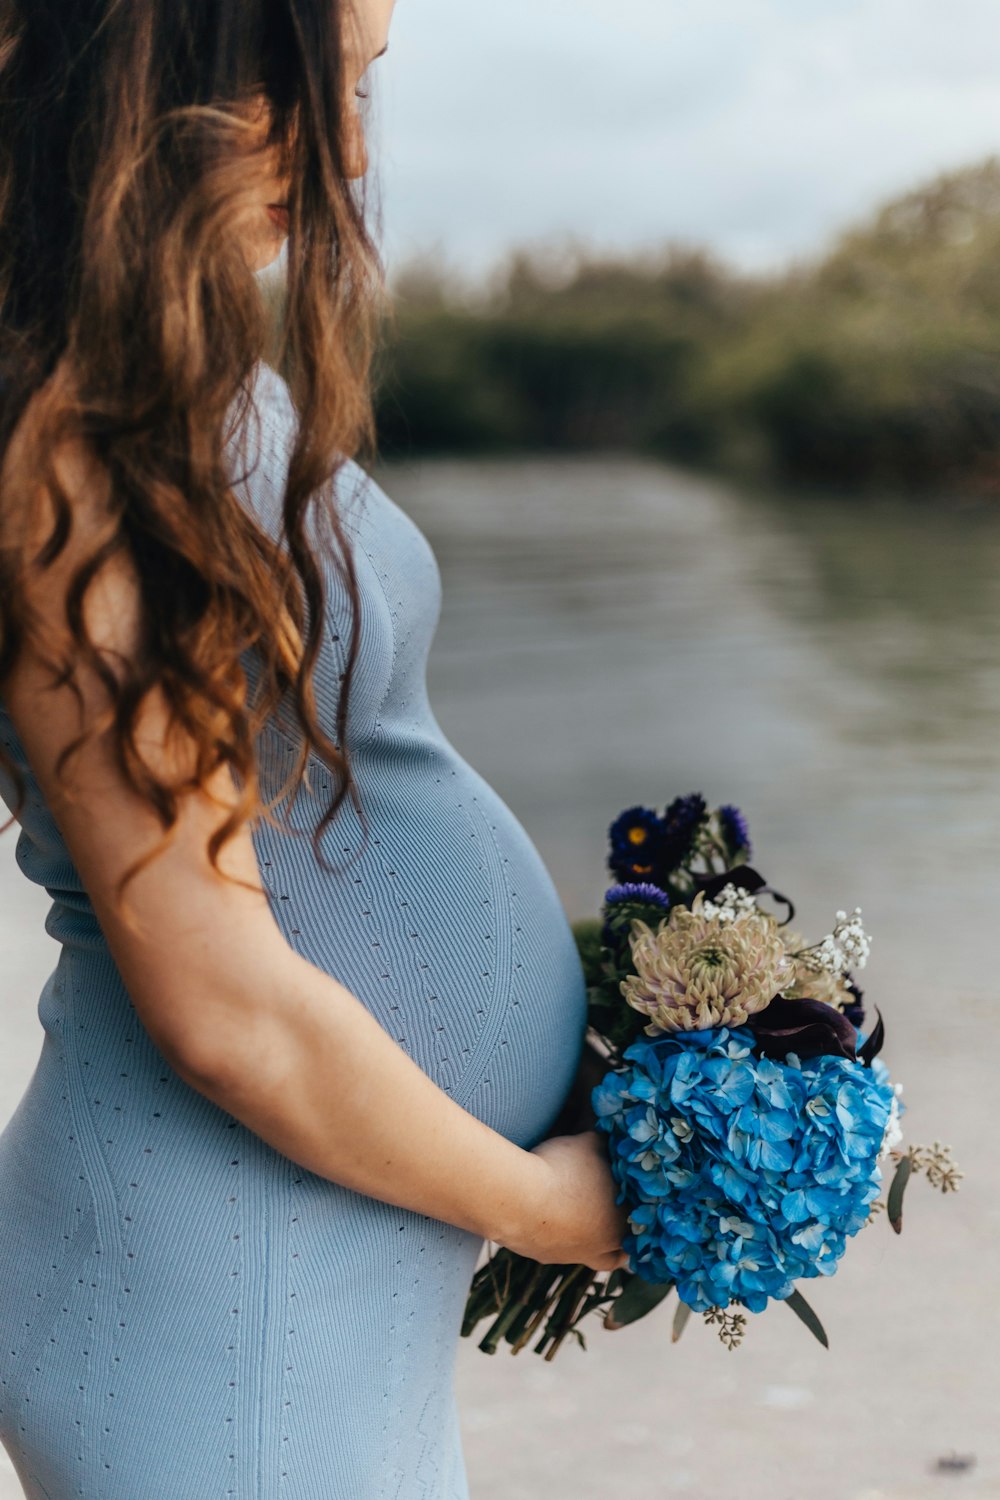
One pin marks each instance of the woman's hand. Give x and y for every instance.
(575, 1219)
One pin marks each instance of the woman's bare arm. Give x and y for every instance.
(241, 1017)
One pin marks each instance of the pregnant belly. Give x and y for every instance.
(448, 927)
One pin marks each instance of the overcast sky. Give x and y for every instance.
(759, 127)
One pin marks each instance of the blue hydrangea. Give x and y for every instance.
(742, 1174)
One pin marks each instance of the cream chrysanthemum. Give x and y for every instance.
(696, 971)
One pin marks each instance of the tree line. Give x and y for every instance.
(877, 363)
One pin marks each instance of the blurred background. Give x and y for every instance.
(763, 236)
(693, 381)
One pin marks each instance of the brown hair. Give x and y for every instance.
(125, 294)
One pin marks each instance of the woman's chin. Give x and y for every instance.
(265, 264)
(266, 253)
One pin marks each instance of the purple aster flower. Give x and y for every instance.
(642, 892)
(735, 829)
(635, 835)
(623, 903)
(681, 822)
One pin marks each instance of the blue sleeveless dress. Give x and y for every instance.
(186, 1313)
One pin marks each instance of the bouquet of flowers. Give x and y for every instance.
(749, 1116)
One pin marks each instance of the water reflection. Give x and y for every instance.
(908, 595)
(616, 631)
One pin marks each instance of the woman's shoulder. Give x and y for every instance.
(262, 424)
(263, 434)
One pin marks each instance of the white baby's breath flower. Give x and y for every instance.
(731, 903)
(893, 1130)
(846, 947)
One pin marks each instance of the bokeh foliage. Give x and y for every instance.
(878, 363)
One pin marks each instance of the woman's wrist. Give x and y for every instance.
(510, 1222)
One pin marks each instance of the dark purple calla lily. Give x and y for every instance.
(809, 1028)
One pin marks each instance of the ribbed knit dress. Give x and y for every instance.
(185, 1312)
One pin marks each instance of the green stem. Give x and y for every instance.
(570, 1318)
(566, 1299)
(509, 1313)
(492, 1286)
(551, 1296)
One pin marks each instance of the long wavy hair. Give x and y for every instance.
(124, 293)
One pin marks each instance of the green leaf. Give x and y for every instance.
(586, 930)
(588, 941)
(681, 1317)
(800, 1307)
(619, 1278)
(895, 1200)
(638, 1299)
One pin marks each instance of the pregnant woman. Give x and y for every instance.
(316, 1008)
